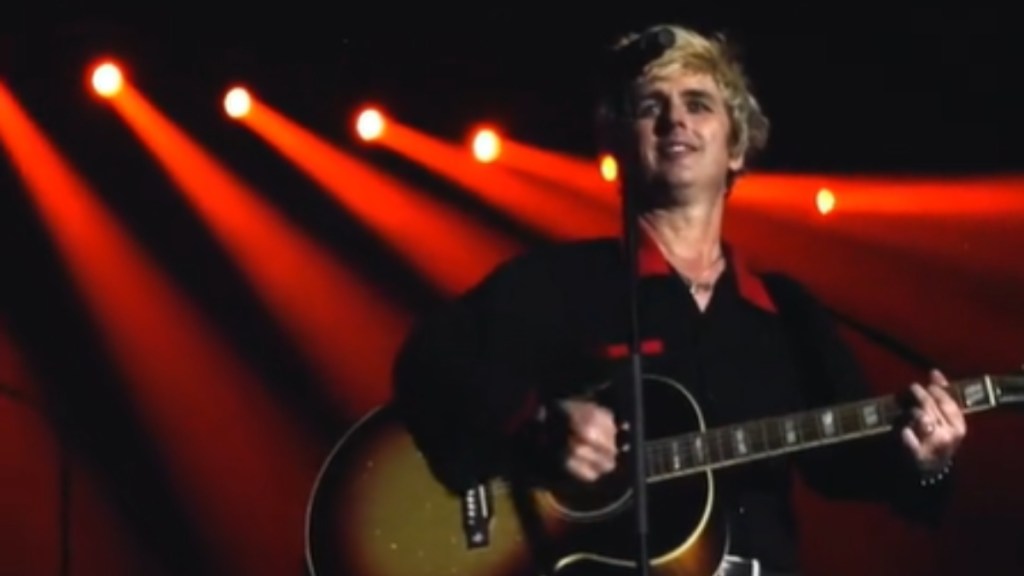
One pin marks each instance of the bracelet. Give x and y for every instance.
(935, 477)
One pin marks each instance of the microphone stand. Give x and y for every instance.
(625, 66)
(637, 424)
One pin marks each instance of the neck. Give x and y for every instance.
(687, 233)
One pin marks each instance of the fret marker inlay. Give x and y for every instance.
(828, 424)
(870, 415)
(734, 444)
(698, 450)
(974, 394)
(740, 439)
(790, 431)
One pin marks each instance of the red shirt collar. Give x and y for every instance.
(651, 262)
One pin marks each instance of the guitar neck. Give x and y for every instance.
(758, 439)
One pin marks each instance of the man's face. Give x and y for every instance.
(681, 134)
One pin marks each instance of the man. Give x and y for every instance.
(502, 375)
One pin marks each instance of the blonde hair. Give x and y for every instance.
(633, 59)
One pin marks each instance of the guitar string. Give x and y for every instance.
(659, 449)
(717, 445)
(804, 421)
(770, 431)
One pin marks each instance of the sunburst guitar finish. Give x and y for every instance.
(377, 510)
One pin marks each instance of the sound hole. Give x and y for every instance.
(592, 501)
(670, 412)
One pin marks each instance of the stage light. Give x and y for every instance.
(237, 102)
(370, 124)
(486, 145)
(609, 168)
(825, 200)
(107, 79)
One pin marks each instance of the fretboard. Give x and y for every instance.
(735, 444)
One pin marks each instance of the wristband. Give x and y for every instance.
(935, 477)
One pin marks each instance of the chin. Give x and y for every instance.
(686, 181)
(679, 183)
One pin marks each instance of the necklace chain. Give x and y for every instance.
(705, 286)
(696, 287)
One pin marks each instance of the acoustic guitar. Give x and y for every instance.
(377, 510)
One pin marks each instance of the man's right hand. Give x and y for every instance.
(591, 447)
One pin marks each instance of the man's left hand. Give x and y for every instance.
(938, 425)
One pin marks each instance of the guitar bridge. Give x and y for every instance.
(476, 516)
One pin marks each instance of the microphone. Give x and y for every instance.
(622, 65)
(655, 42)
(628, 60)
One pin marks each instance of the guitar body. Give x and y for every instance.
(376, 510)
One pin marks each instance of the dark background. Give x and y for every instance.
(850, 90)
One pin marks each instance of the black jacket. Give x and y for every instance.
(550, 323)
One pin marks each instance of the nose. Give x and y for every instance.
(672, 116)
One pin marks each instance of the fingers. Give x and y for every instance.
(592, 446)
(922, 423)
(593, 426)
(911, 440)
(938, 424)
(587, 463)
(926, 415)
(948, 407)
(938, 406)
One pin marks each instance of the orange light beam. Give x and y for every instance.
(562, 169)
(30, 444)
(202, 401)
(347, 330)
(968, 222)
(550, 212)
(444, 245)
(882, 289)
(990, 198)
(103, 539)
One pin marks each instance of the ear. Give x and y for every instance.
(737, 160)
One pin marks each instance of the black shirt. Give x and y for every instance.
(553, 322)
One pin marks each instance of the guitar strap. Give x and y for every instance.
(788, 299)
(797, 311)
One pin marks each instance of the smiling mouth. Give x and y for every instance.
(675, 149)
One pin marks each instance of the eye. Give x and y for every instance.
(696, 105)
(647, 107)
